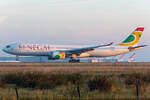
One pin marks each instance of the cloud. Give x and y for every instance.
(3, 18)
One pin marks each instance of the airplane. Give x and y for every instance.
(121, 59)
(57, 52)
(132, 58)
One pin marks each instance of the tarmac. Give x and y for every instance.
(123, 67)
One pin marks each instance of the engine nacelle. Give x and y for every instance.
(56, 55)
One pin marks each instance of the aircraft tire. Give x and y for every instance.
(74, 60)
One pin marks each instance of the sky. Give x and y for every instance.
(74, 22)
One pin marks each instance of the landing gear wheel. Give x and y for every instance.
(74, 60)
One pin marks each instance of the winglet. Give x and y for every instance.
(109, 44)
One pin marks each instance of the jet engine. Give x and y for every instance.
(57, 55)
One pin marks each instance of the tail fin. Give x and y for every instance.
(133, 39)
(122, 58)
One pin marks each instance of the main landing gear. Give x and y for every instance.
(73, 60)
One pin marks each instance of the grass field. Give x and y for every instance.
(75, 67)
(67, 90)
(47, 74)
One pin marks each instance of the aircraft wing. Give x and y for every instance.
(82, 50)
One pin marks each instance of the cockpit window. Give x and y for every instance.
(8, 46)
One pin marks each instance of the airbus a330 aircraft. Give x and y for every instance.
(54, 52)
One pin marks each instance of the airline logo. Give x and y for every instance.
(133, 38)
(60, 56)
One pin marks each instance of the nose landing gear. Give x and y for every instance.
(17, 58)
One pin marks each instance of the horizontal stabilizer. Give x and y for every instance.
(136, 47)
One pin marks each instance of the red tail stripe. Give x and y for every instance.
(140, 29)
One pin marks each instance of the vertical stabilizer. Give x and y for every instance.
(132, 58)
(133, 38)
(122, 58)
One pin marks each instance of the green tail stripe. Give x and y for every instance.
(129, 39)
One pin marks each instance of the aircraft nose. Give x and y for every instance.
(7, 48)
(4, 49)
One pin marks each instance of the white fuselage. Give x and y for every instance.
(44, 50)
